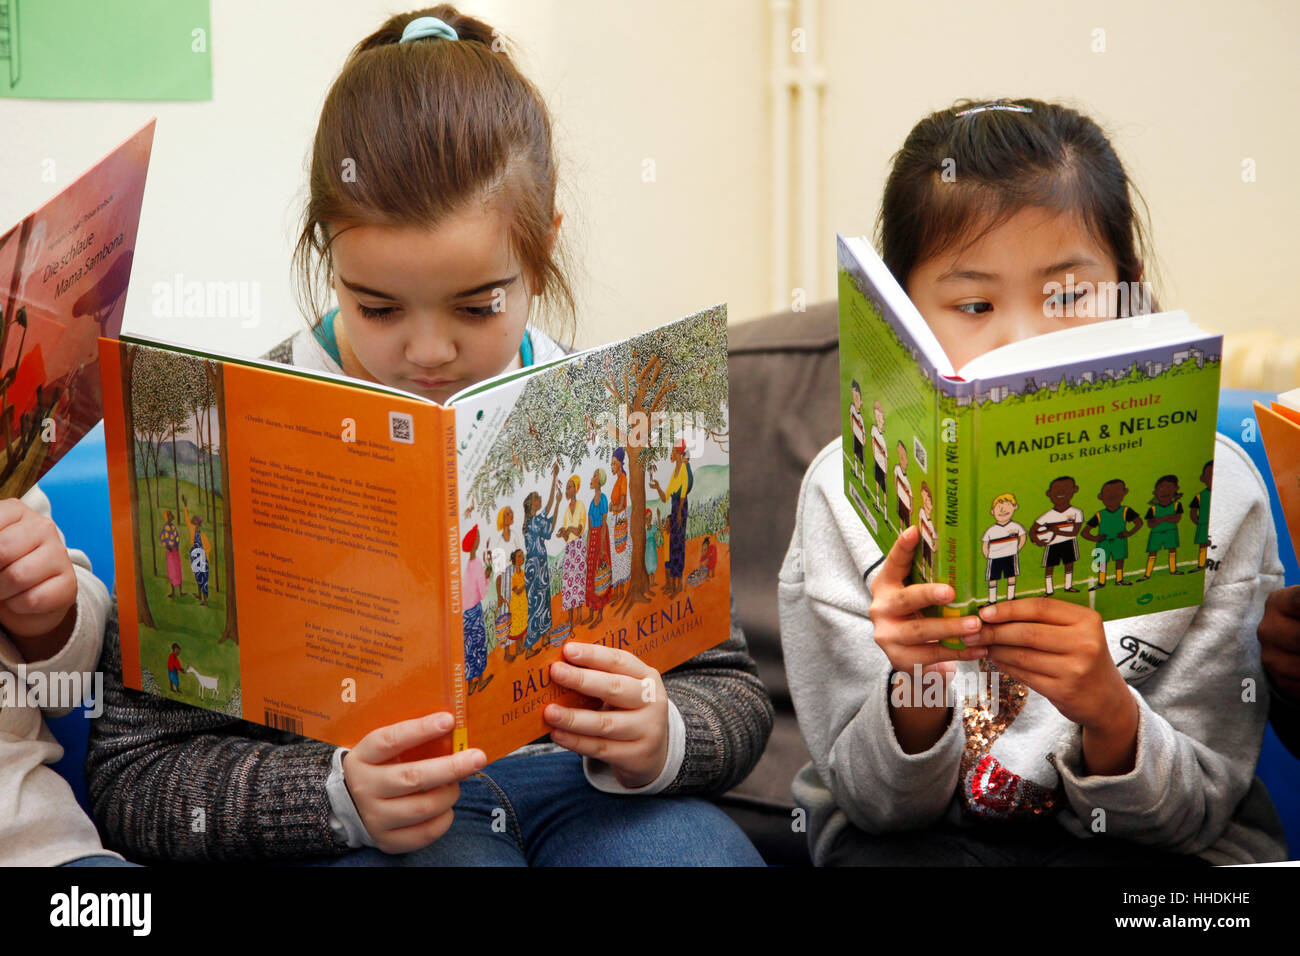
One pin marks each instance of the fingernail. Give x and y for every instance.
(943, 594)
(971, 623)
(989, 613)
(445, 721)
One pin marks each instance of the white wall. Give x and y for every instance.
(686, 85)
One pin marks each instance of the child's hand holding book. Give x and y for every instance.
(406, 805)
(631, 732)
(38, 586)
(910, 640)
(1059, 650)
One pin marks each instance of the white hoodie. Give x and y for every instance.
(1193, 788)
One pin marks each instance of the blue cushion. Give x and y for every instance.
(1277, 768)
(78, 491)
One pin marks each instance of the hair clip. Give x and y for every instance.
(422, 27)
(1012, 107)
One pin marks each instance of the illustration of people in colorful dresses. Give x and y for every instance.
(472, 592)
(520, 603)
(171, 542)
(539, 524)
(1056, 531)
(598, 564)
(880, 454)
(621, 540)
(573, 530)
(200, 548)
(510, 543)
(1162, 517)
(174, 668)
(1001, 545)
(654, 540)
(925, 520)
(1199, 512)
(679, 488)
(903, 489)
(1110, 528)
(859, 431)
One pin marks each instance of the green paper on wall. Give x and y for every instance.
(105, 49)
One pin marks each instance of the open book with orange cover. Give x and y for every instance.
(327, 556)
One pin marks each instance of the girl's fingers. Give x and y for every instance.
(1028, 660)
(928, 655)
(1031, 634)
(419, 776)
(906, 601)
(412, 810)
(415, 837)
(610, 724)
(385, 743)
(1043, 610)
(616, 690)
(609, 659)
(1039, 683)
(598, 748)
(923, 630)
(898, 562)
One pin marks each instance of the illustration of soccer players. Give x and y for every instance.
(1110, 528)
(880, 452)
(903, 489)
(1001, 545)
(1056, 530)
(1199, 512)
(859, 431)
(1162, 518)
(926, 522)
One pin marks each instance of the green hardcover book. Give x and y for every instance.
(1076, 464)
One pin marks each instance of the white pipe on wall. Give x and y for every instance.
(809, 79)
(779, 11)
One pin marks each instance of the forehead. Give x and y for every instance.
(466, 249)
(1021, 248)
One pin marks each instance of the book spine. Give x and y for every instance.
(453, 629)
(956, 504)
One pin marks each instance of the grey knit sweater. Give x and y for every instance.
(169, 781)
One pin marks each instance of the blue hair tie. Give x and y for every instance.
(422, 27)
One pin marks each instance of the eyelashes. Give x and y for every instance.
(1062, 300)
(389, 312)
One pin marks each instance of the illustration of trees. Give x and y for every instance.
(167, 389)
(673, 377)
(130, 354)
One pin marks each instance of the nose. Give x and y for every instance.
(1016, 323)
(430, 345)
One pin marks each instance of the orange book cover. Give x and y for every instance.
(327, 557)
(1280, 429)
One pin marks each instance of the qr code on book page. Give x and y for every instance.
(401, 428)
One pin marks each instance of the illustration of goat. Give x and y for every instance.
(205, 683)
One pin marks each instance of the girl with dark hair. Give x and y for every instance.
(1093, 754)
